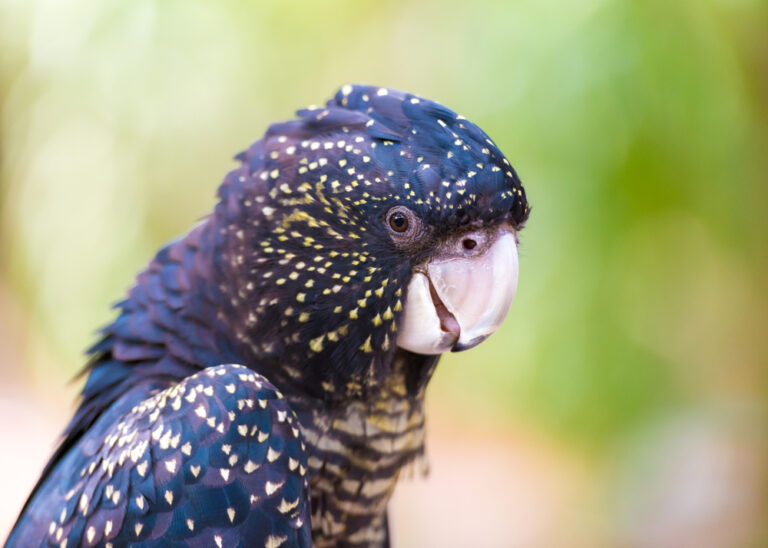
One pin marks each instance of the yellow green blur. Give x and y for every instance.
(639, 129)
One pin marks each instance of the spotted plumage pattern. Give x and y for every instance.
(187, 464)
(294, 276)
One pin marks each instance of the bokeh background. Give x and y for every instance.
(623, 403)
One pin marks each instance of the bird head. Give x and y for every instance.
(380, 221)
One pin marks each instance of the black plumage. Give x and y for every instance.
(296, 277)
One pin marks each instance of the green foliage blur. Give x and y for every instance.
(640, 130)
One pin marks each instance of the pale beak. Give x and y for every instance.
(460, 298)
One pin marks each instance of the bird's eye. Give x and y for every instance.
(405, 227)
(402, 222)
(398, 221)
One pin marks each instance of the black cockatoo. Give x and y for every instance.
(263, 383)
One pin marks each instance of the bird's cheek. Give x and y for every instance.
(457, 303)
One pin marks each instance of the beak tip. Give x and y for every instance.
(461, 346)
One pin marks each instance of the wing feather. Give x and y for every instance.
(211, 461)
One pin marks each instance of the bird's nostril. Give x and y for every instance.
(469, 244)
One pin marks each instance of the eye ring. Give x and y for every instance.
(404, 226)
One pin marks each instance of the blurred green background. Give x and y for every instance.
(623, 403)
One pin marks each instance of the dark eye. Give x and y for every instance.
(405, 227)
(398, 221)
